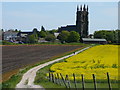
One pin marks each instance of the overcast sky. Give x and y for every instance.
(28, 15)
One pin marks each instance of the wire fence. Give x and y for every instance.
(64, 80)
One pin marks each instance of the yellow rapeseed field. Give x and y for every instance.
(97, 60)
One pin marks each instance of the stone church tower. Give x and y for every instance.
(82, 21)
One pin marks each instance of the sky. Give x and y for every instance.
(28, 15)
(119, 15)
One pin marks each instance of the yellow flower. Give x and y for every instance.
(97, 60)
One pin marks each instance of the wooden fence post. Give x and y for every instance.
(55, 79)
(83, 85)
(58, 79)
(109, 81)
(74, 81)
(52, 78)
(49, 77)
(94, 80)
(67, 80)
(63, 80)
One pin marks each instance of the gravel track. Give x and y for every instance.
(30, 75)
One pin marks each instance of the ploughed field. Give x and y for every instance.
(17, 56)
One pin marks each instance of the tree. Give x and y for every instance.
(16, 30)
(32, 38)
(74, 37)
(110, 36)
(53, 31)
(42, 34)
(2, 30)
(117, 35)
(100, 34)
(63, 36)
(50, 37)
(42, 28)
(35, 31)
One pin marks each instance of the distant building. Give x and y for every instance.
(91, 40)
(23, 36)
(42, 40)
(10, 35)
(81, 22)
(67, 28)
(56, 34)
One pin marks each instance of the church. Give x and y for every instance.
(81, 22)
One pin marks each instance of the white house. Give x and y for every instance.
(8, 35)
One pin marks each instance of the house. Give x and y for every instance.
(10, 35)
(56, 34)
(42, 40)
(92, 40)
(23, 36)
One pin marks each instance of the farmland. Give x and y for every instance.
(97, 60)
(17, 56)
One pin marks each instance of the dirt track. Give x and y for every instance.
(31, 74)
(14, 57)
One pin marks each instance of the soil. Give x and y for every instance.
(18, 56)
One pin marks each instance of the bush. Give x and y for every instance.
(74, 37)
(42, 34)
(8, 43)
(50, 37)
(32, 38)
(63, 36)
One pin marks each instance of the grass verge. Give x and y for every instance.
(12, 82)
(42, 79)
(44, 43)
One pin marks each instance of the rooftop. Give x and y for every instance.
(90, 39)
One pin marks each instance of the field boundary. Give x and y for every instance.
(30, 75)
(63, 80)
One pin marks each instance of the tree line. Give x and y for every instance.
(111, 36)
(64, 36)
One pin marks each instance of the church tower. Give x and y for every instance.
(82, 21)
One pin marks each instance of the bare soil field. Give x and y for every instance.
(18, 56)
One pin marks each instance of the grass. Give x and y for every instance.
(97, 60)
(42, 79)
(44, 43)
(12, 82)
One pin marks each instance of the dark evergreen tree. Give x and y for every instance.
(42, 28)
(35, 31)
(16, 30)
